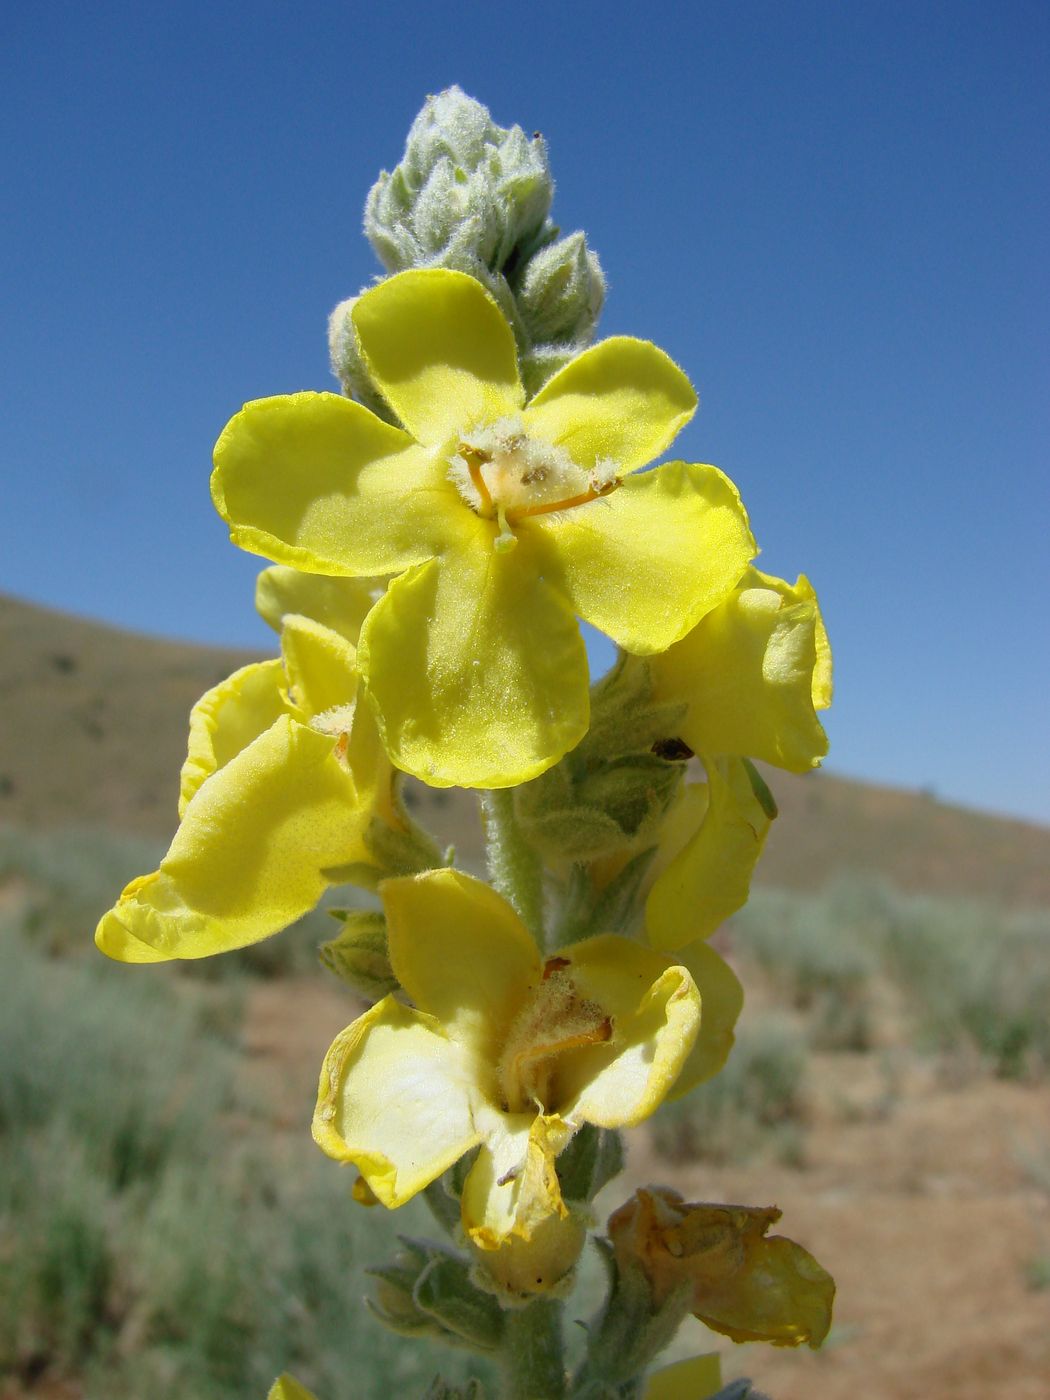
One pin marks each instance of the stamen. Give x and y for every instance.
(593, 493)
(504, 475)
(555, 1021)
(474, 464)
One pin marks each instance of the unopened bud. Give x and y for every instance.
(348, 366)
(427, 1290)
(562, 291)
(467, 194)
(450, 124)
(359, 954)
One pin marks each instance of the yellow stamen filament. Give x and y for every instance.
(474, 462)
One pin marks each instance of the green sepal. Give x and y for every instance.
(394, 1304)
(618, 906)
(405, 852)
(610, 793)
(591, 1160)
(634, 791)
(427, 1291)
(562, 291)
(624, 716)
(358, 955)
(348, 364)
(759, 786)
(444, 1203)
(444, 1291)
(574, 833)
(540, 362)
(629, 1332)
(364, 876)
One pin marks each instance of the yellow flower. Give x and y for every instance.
(500, 1049)
(753, 673)
(501, 521)
(286, 1387)
(282, 779)
(748, 1287)
(709, 846)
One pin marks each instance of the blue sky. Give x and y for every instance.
(834, 216)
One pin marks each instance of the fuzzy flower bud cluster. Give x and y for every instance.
(476, 197)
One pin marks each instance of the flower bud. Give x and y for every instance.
(562, 291)
(591, 1160)
(347, 364)
(520, 1270)
(450, 124)
(466, 192)
(359, 954)
(427, 1290)
(610, 793)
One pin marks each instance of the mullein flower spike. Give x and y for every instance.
(436, 535)
(501, 521)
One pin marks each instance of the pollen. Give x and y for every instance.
(336, 722)
(556, 1020)
(506, 475)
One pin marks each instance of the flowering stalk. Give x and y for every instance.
(435, 533)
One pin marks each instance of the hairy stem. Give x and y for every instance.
(514, 866)
(535, 1367)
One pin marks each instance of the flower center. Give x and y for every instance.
(555, 1020)
(505, 475)
(337, 723)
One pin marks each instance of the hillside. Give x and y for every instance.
(94, 725)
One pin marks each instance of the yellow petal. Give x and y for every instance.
(513, 1187)
(115, 939)
(321, 666)
(823, 687)
(476, 669)
(393, 1100)
(339, 603)
(710, 877)
(227, 718)
(621, 401)
(250, 855)
(646, 562)
(654, 1011)
(440, 351)
(317, 482)
(288, 1388)
(697, 1378)
(721, 1001)
(749, 672)
(461, 953)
